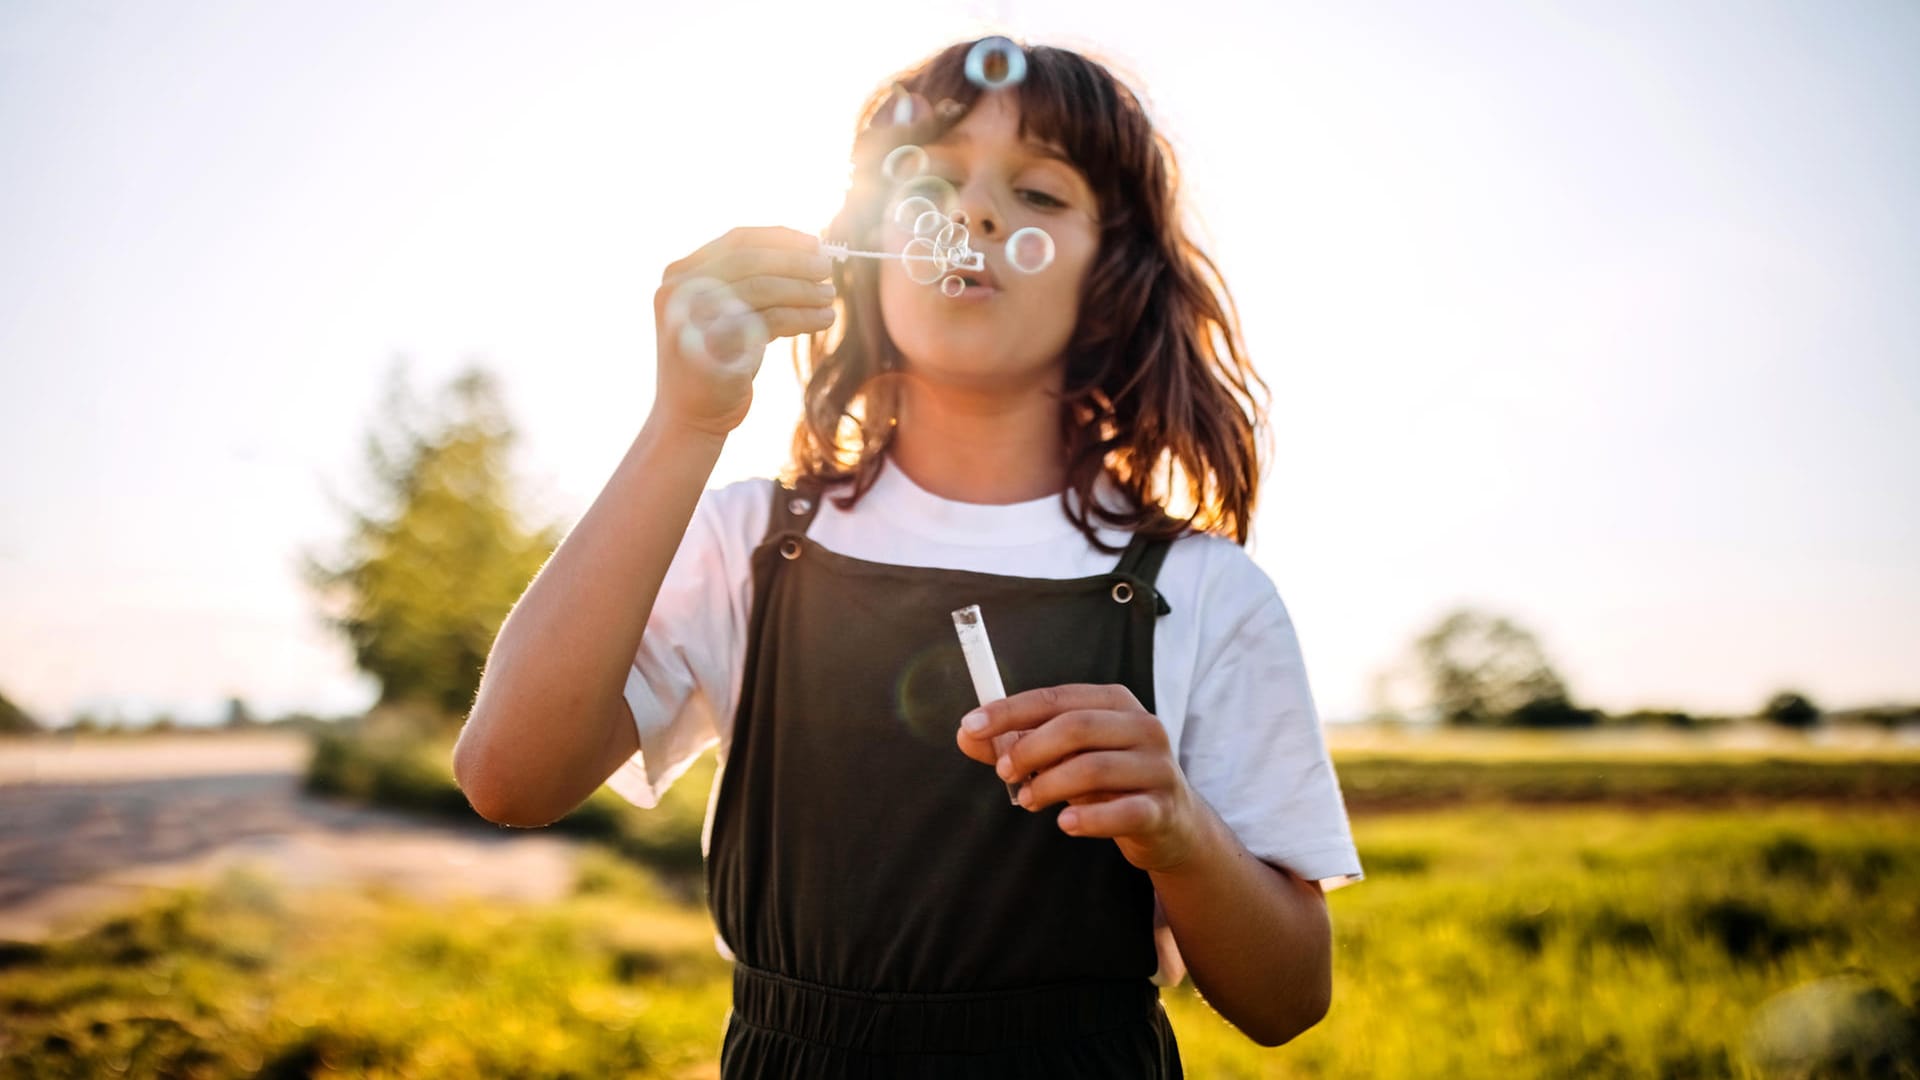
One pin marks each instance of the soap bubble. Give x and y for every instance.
(909, 210)
(1030, 250)
(953, 285)
(934, 191)
(929, 224)
(903, 163)
(715, 324)
(951, 235)
(996, 63)
(922, 261)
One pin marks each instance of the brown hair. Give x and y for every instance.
(1158, 392)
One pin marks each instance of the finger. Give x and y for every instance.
(707, 298)
(977, 749)
(776, 237)
(1031, 708)
(1094, 773)
(1129, 815)
(1077, 731)
(769, 291)
(734, 266)
(787, 321)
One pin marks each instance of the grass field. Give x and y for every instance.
(1487, 940)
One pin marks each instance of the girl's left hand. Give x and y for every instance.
(1107, 758)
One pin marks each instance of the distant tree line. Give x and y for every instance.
(236, 715)
(1478, 669)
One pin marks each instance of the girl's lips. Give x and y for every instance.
(974, 294)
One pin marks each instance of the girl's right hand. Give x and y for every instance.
(717, 309)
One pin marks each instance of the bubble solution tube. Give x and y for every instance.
(986, 678)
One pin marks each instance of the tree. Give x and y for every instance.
(238, 715)
(15, 720)
(1480, 668)
(430, 571)
(1791, 709)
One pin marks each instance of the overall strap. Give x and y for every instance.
(793, 506)
(1142, 561)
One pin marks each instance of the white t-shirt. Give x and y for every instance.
(1230, 683)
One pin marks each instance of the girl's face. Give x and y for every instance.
(1018, 323)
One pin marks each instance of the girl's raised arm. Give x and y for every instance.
(549, 724)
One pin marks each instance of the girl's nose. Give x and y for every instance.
(982, 219)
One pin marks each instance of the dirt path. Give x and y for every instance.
(87, 826)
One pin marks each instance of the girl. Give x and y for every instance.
(1019, 446)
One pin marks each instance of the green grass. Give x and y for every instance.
(1486, 941)
(239, 979)
(1373, 780)
(408, 772)
(1504, 941)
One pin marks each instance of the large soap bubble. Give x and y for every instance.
(714, 324)
(1030, 250)
(996, 63)
(919, 195)
(903, 163)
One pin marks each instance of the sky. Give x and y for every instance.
(1598, 315)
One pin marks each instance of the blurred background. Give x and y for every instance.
(1596, 504)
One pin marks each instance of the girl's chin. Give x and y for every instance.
(961, 365)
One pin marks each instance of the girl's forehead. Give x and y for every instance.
(995, 123)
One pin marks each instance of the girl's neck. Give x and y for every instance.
(980, 449)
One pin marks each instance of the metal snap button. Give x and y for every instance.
(790, 548)
(1122, 592)
(799, 506)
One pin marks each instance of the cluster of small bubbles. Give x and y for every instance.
(715, 324)
(1029, 250)
(903, 163)
(996, 63)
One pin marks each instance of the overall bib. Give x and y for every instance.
(890, 912)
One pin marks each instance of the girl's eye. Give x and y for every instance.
(1042, 199)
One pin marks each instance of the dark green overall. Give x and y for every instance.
(892, 914)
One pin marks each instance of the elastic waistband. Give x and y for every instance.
(939, 1023)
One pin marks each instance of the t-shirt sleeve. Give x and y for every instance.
(685, 675)
(1253, 748)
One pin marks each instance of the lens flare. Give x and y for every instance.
(931, 689)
